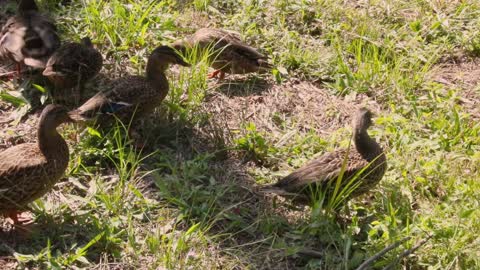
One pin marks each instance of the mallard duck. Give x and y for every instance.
(132, 95)
(73, 64)
(366, 159)
(29, 170)
(230, 53)
(29, 37)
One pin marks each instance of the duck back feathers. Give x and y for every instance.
(73, 63)
(29, 37)
(229, 53)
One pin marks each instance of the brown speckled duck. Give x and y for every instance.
(73, 64)
(29, 37)
(230, 53)
(367, 155)
(29, 170)
(132, 95)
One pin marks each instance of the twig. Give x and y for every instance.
(6, 120)
(408, 252)
(6, 74)
(10, 249)
(382, 252)
(311, 253)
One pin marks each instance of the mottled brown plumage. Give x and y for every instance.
(29, 37)
(230, 53)
(73, 64)
(132, 95)
(367, 155)
(29, 170)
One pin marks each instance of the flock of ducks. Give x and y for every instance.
(29, 170)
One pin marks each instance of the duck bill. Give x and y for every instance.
(49, 72)
(75, 116)
(182, 62)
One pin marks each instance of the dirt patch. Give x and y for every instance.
(8, 263)
(295, 104)
(464, 76)
(15, 133)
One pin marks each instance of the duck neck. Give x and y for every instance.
(49, 140)
(27, 5)
(181, 45)
(156, 75)
(365, 145)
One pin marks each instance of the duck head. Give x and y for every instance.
(26, 5)
(87, 42)
(362, 120)
(53, 116)
(160, 59)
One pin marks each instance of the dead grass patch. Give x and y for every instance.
(11, 134)
(463, 76)
(299, 104)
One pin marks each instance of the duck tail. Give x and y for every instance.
(77, 116)
(113, 107)
(264, 66)
(274, 190)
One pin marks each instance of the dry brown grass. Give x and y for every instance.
(464, 76)
(302, 104)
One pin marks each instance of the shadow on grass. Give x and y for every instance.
(48, 238)
(243, 86)
(186, 194)
(218, 192)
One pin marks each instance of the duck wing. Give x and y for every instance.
(124, 92)
(20, 164)
(323, 169)
(240, 55)
(41, 40)
(74, 61)
(11, 40)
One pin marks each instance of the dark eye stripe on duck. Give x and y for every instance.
(169, 51)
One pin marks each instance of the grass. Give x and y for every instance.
(188, 200)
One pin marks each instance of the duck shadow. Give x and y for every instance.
(93, 86)
(33, 238)
(212, 169)
(197, 168)
(197, 173)
(7, 8)
(243, 86)
(35, 88)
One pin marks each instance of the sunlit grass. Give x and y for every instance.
(188, 200)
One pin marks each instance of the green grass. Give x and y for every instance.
(189, 201)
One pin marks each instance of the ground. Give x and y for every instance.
(190, 199)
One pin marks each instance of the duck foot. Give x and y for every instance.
(8, 76)
(183, 98)
(215, 73)
(138, 143)
(19, 69)
(19, 218)
(12, 74)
